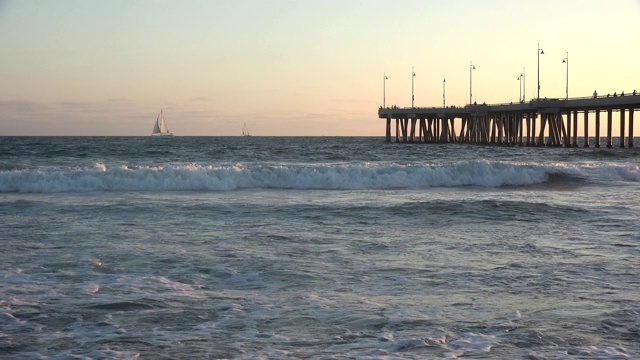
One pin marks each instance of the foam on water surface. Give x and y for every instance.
(194, 177)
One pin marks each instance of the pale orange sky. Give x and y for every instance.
(290, 67)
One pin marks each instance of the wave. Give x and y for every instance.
(194, 177)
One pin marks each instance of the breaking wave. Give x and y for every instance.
(194, 177)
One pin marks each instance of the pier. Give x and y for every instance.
(539, 122)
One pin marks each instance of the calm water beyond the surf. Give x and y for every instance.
(316, 248)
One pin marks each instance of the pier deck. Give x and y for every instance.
(505, 124)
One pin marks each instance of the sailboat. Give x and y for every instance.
(160, 128)
(245, 130)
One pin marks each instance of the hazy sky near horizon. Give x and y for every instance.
(285, 67)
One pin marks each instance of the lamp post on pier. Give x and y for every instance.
(471, 68)
(444, 81)
(522, 80)
(413, 75)
(566, 60)
(540, 52)
(520, 88)
(524, 86)
(384, 90)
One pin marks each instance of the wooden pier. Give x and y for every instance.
(541, 122)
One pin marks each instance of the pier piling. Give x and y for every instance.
(586, 128)
(622, 112)
(631, 127)
(597, 129)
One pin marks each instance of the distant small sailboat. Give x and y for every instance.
(160, 128)
(245, 130)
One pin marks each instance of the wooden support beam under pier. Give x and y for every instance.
(586, 128)
(631, 127)
(388, 135)
(575, 128)
(597, 129)
(622, 112)
(564, 135)
(568, 139)
(609, 128)
(520, 132)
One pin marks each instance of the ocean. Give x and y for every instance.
(316, 248)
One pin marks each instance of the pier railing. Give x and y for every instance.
(632, 97)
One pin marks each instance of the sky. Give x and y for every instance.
(295, 67)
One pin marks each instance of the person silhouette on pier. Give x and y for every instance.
(595, 94)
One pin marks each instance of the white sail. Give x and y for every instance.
(163, 124)
(245, 130)
(160, 128)
(156, 128)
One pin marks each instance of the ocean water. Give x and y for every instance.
(316, 248)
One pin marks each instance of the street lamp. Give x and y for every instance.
(444, 81)
(384, 90)
(471, 68)
(520, 87)
(413, 75)
(540, 52)
(566, 60)
(523, 87)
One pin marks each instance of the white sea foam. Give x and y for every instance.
(102, 177)
(472, 343)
